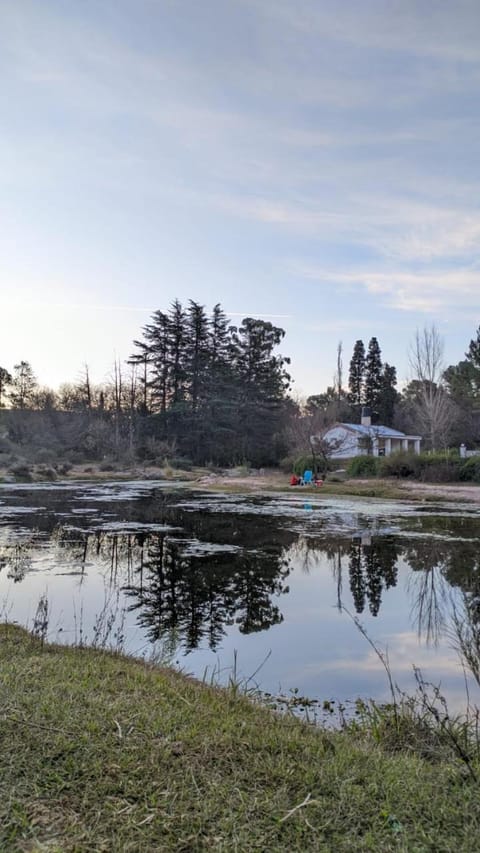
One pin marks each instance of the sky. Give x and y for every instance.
(309, 162)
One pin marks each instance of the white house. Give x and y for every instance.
(347, 440)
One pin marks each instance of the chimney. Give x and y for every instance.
(366, 416)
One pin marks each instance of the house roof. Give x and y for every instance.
(375, 431)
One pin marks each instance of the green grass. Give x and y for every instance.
(100, 752)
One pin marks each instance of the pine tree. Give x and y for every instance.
(373, 375)
(196, 352)
(262, 382)
(152, 356)
(5, 381)
(388, 396)
(473, 352)
(215, 391)
(178, 336)
(24, 385)
(356, 374)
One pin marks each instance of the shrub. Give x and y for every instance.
(64, 468)
(180, 463)
(47, 473)
(401, 464)
(438, 467)
(363, 466)
(22, 472)
(470, 470)
(45, 456)
(304, 463)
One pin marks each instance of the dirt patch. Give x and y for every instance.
(448, 491)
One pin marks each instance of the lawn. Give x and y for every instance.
(100, 752)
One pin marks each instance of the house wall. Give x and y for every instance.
(350, 444)
(345, 441)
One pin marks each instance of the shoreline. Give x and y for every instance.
(272, 481)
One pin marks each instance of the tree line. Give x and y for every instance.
(198, 389)
(195, 387)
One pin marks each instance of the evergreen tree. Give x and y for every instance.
(5, 381)
(373, 375)
(388, 395)
(220, 412)
(215, 391)
(178, 336)
(262, 382)
(463, 381)
(152, 357)
(356, 374)
(197, 355)
(473, 352)
(24, 385)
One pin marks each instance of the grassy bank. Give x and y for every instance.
(103, 753)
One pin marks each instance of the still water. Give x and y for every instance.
(269, 584)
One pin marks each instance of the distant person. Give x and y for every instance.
(294, 480)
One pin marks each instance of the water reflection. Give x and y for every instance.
(192, 594)
(196, 598)
(192, 573)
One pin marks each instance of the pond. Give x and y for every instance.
(269, 586)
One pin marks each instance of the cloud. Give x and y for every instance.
(440, 291)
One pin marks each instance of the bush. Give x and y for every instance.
(304, 463)
(47, 473)
(439, 466)
(22, 472)
(470, 470)
(432, 467)
(363, 466)
(180, 463)
(401, 464)
(44, 456)
(64, 468)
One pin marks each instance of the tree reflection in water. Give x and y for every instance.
(191, 591)
(372, 568)
(372, 565)
(195, 598)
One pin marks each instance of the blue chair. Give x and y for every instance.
(307, 478)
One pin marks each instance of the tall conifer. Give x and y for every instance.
(373, 375)
(356, 374)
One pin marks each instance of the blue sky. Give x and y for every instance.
(311, 162)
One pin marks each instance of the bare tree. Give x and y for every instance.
(433, 409)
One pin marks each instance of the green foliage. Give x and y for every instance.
(180, 463)
(363, 466)
(388, 395)
(303, 463)
(356, 373)
(218, 391)
(470, 470)
(402, 465)
(24, 385)
(438, 467)
(373, 375)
